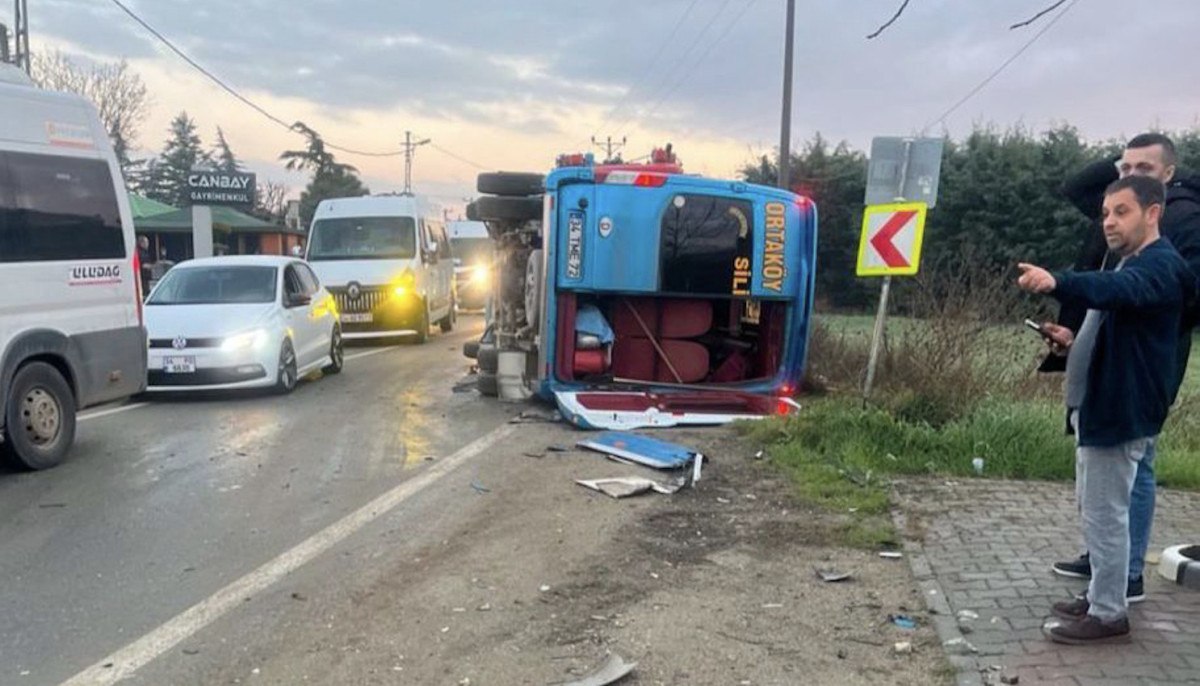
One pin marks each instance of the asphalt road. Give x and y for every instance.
(163, 504)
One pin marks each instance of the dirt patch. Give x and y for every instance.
(536, 580)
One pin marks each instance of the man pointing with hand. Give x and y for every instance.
(1120, 384)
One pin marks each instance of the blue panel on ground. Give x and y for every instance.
(640, 449)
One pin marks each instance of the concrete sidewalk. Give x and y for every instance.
(986, 547)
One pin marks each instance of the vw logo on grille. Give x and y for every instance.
(179, 343)
(354, 290)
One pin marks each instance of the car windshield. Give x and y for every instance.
(363, 238)
(472, 251)
(215, 285)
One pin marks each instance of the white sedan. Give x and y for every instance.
(240, 322)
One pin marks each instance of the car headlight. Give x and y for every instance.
(480, 274)
(245, 341)
(405, 285)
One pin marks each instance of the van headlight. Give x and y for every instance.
(249, 340)
(480, 274)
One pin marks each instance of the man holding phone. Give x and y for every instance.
(1152, 155)
(1117, 392)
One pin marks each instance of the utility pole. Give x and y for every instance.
(21, 59)
(4, 44)
(410, 148)
(612, 149)
(785, 129)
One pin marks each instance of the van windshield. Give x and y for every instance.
(472, 251)
(363, 238)
(215, 286)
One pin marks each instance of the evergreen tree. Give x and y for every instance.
(182, 152)
(223, 156)
(331, 179)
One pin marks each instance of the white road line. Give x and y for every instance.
(367, 353)
(104, 413)
(138, 654)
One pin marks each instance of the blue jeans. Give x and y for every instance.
(1141, 513)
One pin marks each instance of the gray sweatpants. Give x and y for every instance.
(1103, 483)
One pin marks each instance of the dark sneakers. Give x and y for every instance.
(1089, 630)
(1135, 592)
(1079, 568)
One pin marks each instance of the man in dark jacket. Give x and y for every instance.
(1152, 155)
(1118, 393)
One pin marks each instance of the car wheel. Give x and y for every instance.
(40, 417)
(508, 209)
(286, 376)
(422, 326)
(447, 323)
(510, 183)
(337, 353)
(488, 385)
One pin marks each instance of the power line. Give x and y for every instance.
(682, 58)
(991, 77)
(700, 60)
(662, 46)
(229, 89)
(460, 158)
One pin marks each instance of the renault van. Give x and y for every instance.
(71, 331)
(387, 262)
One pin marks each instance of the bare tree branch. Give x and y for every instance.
(891, 21)
(1037, 16)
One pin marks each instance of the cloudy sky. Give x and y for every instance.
(508, 84)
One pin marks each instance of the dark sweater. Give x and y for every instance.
(1131, 380)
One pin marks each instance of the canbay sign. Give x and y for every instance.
(220, 188)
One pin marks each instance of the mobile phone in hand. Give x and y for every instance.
(1041, 331)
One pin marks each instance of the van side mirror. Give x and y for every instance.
(298, 300)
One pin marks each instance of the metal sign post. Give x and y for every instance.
(900, 169)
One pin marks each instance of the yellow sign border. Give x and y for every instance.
(864, 242)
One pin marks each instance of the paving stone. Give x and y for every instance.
(1005, 535)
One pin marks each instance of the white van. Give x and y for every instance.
(386, 259)
(71, 331)
(472, 248)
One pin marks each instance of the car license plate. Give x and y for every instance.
(356, 318)
(179, 365)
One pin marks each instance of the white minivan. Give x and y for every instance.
(387, 262)
(71, 330)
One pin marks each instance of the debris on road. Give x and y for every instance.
(479, 487)
(47, 506)
(960, 646)
(903, 648)
(903, 621)
(625, 486)
(613, 670)
(531, 416)
(891, 555)
(1010, 679)
(648, 452)
(557, 449)
(832, 576)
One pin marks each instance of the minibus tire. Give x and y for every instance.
(38, 385)
(508, 209)
(488, 385)
(471, 349)
(488, 358)
(518, 184)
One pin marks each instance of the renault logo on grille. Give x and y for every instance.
(354, 290)
(179, 343)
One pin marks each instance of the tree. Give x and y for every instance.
(118, 93)
(223, 156)
(182, 152)
(331, 179)
(270, 201)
